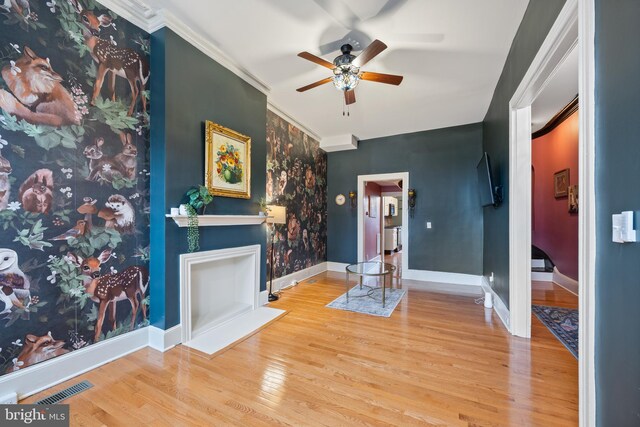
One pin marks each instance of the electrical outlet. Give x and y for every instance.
(428, 225)
(9, 399)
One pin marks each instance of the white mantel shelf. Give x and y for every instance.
(219, 220)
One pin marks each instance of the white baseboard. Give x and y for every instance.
(338, 267)
(498, 305)
(162, 340)
(541, 276)
(537, 263)
(565, 281)
(287, 281)
(442, 277)
(36, 378)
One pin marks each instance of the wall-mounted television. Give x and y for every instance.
(490, 194)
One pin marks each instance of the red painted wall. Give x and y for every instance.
(555, 230)
(372, 226)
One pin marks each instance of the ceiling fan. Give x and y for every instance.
(346, 70)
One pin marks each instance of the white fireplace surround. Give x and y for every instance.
(217, 286)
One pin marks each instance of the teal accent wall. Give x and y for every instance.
(193, 88)
(617, 174)
(536, 23)
(442, 169)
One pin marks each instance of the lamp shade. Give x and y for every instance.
(277, 214)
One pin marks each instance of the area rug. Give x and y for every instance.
(562, 322)
(372, 305)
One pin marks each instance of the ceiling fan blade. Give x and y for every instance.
(311, 57)
(369, 53)
(389, 79)
(316, 84)
(349, 97)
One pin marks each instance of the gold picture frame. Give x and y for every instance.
(561, 183)
(227, 170)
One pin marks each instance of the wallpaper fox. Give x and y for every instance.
(74, 178)
(297, 179)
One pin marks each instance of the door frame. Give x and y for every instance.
(573, 29)
(400, 176)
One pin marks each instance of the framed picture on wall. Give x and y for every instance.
(227, 170)
(561, 183)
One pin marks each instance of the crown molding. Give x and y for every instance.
(277, 110)
(139, 13)
(135, 11)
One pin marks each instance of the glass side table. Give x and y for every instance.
(371, 269)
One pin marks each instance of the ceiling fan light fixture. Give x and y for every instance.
(346, 77)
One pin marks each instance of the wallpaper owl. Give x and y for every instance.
(297, 179)
(74, 178)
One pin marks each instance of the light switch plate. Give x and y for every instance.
(428, 225)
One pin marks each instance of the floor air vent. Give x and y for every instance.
(65, 394)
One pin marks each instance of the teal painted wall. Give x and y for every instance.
(617, 175)
(537, 21)
(194, 88)
(442, 169)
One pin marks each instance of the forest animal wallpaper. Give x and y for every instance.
(74, 178)
(297, 179)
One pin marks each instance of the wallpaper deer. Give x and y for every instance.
(74, 179)
(297, 179)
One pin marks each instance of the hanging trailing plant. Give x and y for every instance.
(193, 232)
(197, 198)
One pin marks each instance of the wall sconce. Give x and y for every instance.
(354, 201)
(412, 200)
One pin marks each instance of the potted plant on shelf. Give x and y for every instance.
(197, 198)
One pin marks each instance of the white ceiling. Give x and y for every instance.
(559, 92)
(450, 52)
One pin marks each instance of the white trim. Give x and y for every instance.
(587, 215)
(36, 378)
(264, 298)
(134, 11)
(338, 267)
(189, 259)
(163, 340)
(278, 111)
(566, 282)
(541, 276)
(404, 176)
(292, 279)
(498, 305)
(442, 277)
(205, 46)
(219, 220)
(559, 43)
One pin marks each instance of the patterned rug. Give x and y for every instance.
(361, 303)
(562, 322)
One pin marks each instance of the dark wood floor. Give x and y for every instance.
(440, 359)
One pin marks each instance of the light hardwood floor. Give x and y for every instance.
(439, 360)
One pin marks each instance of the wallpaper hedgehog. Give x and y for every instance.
(297, 179)
(74, 178)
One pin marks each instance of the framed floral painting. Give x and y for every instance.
(227, 162)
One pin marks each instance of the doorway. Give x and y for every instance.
(554, 209)
(574, 28)
(383, 219)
